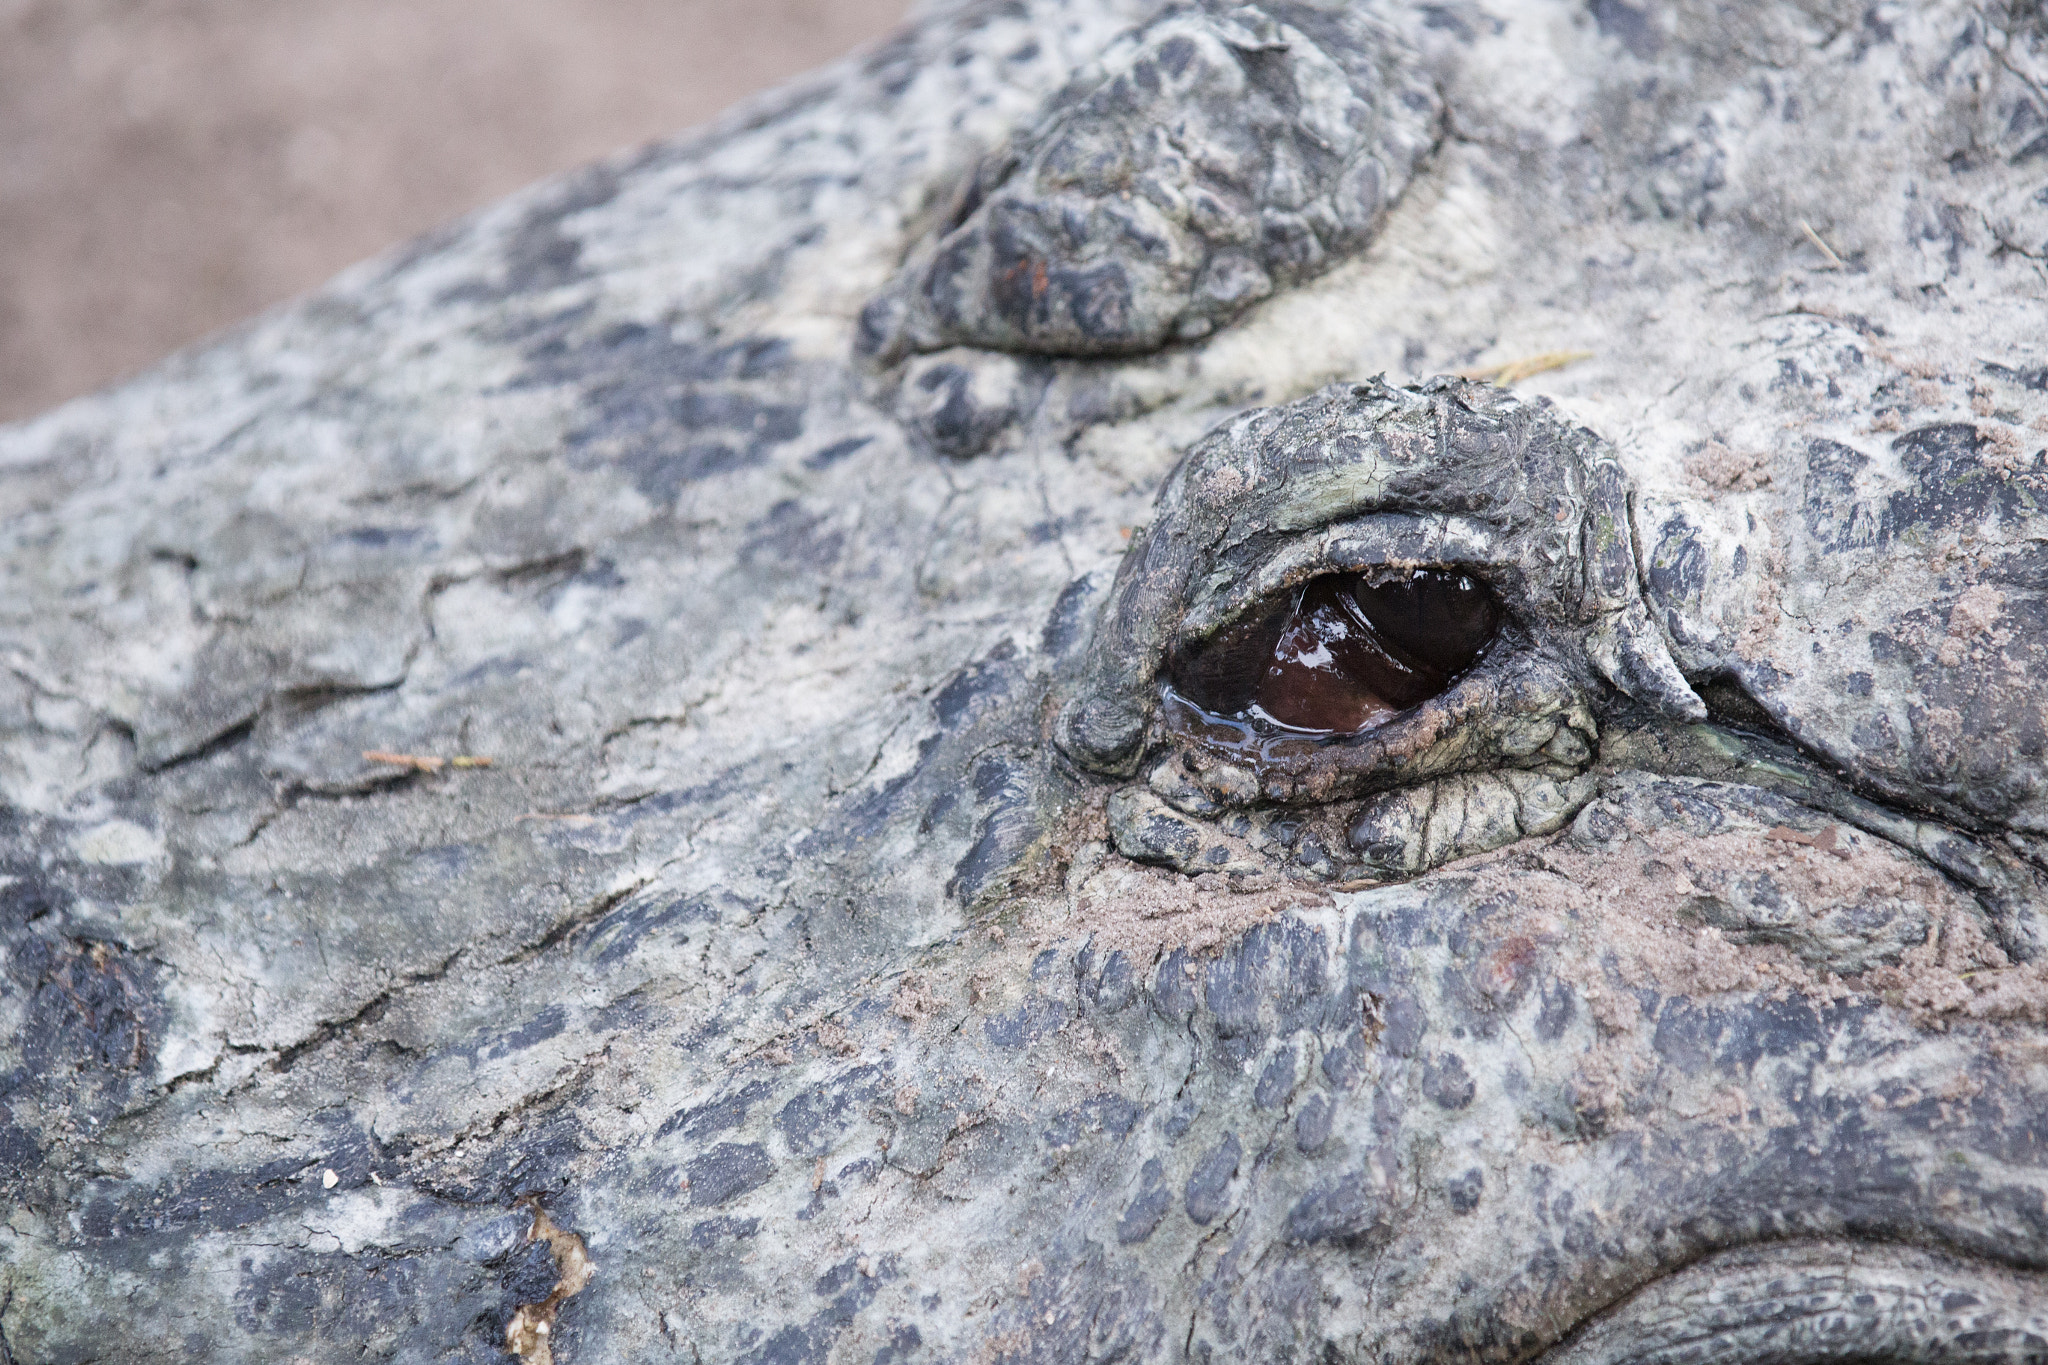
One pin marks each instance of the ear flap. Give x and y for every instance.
(1627, 649)
(1623, 642)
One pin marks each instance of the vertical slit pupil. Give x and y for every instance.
(1344, 652)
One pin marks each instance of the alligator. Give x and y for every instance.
(1285, 681)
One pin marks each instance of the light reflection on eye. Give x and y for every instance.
(1342, 653)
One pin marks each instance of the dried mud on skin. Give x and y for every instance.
(788, 987)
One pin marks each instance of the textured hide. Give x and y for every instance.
(845, 957)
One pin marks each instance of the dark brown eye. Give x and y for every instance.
(1344, 652)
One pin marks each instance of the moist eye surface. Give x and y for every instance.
(1343, 652)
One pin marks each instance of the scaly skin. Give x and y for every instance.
(832, 949)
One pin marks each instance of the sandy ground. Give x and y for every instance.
(169, 166)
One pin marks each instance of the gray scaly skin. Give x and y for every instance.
(832, 950)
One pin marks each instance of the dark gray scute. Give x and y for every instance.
(1218, 154)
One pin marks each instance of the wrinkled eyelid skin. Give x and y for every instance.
(1389, 541)
(1449, 472)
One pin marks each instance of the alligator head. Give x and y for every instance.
(538, 815)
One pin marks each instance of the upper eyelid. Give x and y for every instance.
(1377, 540)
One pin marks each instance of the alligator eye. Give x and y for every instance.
(1344, 652)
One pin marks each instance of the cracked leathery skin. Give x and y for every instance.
(845, 956)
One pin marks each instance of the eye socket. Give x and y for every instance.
(1342, 653)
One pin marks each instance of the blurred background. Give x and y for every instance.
(170, 166)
